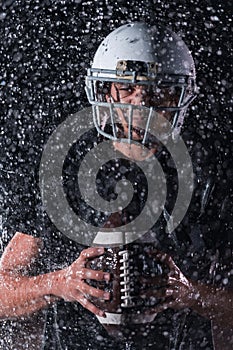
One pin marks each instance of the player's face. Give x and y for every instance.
(142, 96)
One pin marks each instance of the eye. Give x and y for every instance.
(125, 87)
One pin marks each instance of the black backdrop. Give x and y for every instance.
(46, 47)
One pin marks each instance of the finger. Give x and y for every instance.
(97, 275)
(164, 258)
(158, 255)
(88, 305)
(88, 254)
(172, 292)
(173, 281)
(167, 259)
(175, 299)
(97, 293)
(176, 304)
(91, 252)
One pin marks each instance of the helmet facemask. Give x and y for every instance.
(162, 100)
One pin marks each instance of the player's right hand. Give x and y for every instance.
(71, 285)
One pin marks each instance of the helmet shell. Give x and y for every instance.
(140, 42)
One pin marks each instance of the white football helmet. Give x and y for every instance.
(137, 54)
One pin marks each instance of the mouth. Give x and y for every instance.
(137, 134)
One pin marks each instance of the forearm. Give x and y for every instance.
(22, 295)
(215, 304)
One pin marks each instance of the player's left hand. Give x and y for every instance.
(174, 290)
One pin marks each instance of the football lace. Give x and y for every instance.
(126, 298)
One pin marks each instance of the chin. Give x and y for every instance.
(133, 151)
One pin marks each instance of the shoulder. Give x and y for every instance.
(211, 155)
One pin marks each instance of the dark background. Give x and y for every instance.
(46, 47)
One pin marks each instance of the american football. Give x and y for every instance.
(130, 266)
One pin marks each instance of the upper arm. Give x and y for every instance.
(21, 251)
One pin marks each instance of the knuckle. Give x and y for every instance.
(84, 252)
(88, 274)
(79, 273)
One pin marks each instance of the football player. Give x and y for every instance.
(142, 79)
